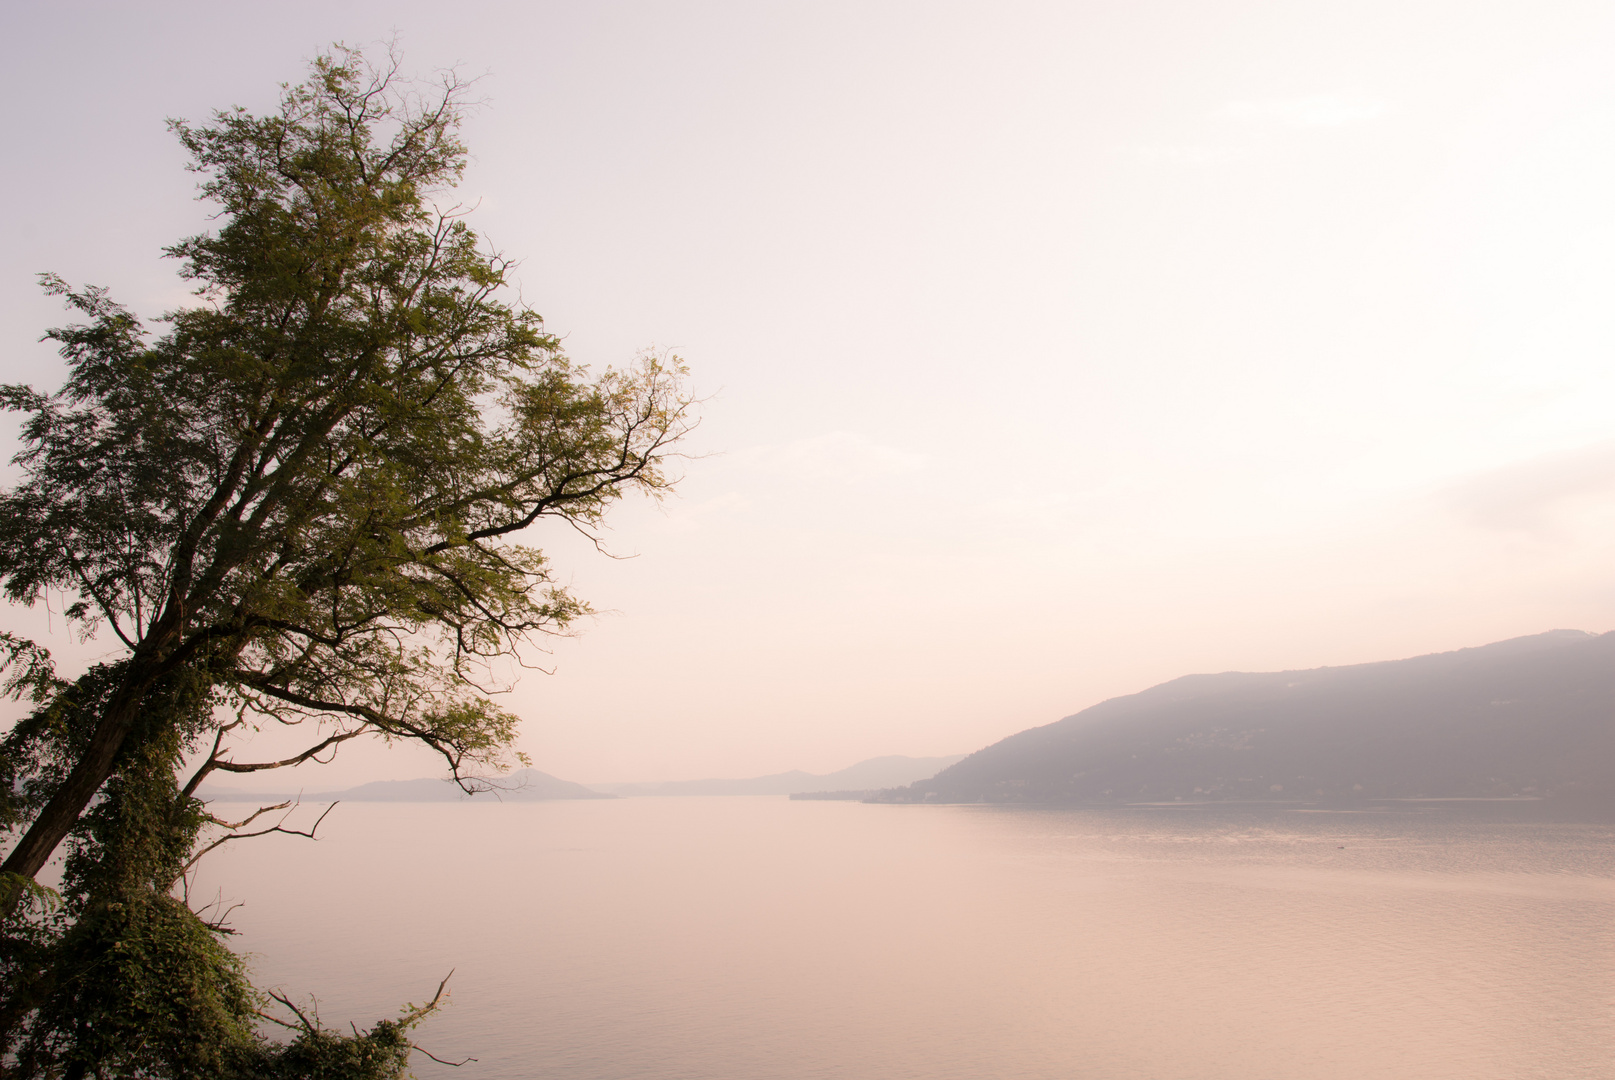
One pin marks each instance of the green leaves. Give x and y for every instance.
(28, 669)
(318, 474)
(307, 499)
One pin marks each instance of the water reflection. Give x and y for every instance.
(759, 938)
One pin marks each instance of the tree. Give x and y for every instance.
(302, 502)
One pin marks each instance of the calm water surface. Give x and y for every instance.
(754, 939)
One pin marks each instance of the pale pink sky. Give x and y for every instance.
(1055, 349)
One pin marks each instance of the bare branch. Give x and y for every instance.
(434, 1057)
(212, 760)
(419, 1011)
(272, 1018)
(278, 827)
(249, 819)
(231, 766)
(308, 1025)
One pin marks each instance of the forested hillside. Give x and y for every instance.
(1532, 716)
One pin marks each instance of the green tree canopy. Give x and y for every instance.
(302, 501)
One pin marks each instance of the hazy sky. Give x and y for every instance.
(1054, 349)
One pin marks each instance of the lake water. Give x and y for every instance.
(753, 939)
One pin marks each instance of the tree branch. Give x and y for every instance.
(340, 737)
(276, 828)
(434, 1057)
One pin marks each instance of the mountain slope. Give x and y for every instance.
(1529, 716)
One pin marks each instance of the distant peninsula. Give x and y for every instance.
(893, 770)
(1532, 717)
(529, 785)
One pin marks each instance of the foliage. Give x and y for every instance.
(299, 504)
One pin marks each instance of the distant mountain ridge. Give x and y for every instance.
(530, 785)
(523, 785)
(1529, 717)
(893, 770)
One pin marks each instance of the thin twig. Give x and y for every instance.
(231, 766)
(277, 828)
(249, 819)
(286, 1001)
(430, 1006)
(273, 1019)
(434, 1057)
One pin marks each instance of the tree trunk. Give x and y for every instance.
(62, 812)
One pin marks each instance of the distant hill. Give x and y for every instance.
(1533, 716)
(881, 772)
(524, 785)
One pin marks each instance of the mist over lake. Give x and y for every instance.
(763, 938)
(808, 541)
